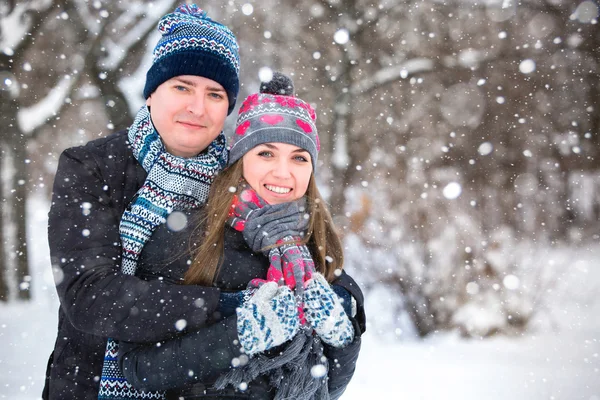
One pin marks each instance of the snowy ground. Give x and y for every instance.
(558, 363)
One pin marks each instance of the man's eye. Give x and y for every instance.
(180, 88)
(218, 96)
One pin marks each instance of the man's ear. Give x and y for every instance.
(148, 100)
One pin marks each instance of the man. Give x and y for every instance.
(110, 195)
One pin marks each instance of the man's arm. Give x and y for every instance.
(200, 356)
(85, 248)
(342, 361)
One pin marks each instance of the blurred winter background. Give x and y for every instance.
(460, 156)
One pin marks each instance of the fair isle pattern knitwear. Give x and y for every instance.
(114, 386)
(193, 44)
(268, 319)
(275, 116)
(325, 312)
(173, 183)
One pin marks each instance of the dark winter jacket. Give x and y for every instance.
(93, 185)
(194, 361)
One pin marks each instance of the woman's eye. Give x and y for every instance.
(265, 154)
(301, 158)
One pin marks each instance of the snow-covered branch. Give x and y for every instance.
(118, 51)
(391, 74)
(15, 26)
(85, 17)
(33, 117)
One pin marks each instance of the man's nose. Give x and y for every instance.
(196, 105)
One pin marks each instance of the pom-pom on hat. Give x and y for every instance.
(193, 44)
(275, 116)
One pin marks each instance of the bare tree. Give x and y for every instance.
(44, 74)
(14, 139)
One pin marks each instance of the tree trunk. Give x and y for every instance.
(340, 152)
(15, 140)
(3, 263)
(8, 122)
(20, 184)
(113, 98)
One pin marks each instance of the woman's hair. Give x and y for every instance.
(321, 238)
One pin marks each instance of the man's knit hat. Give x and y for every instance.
(275, 116)
(193, 44)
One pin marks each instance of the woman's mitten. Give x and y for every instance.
(324, 312)
(268, 319)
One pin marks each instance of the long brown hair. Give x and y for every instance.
(322, 240)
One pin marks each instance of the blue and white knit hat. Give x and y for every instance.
(275, 115)
(193, 44)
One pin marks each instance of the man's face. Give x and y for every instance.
(188, 112)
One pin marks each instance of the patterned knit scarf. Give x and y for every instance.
(173, 183)
(299, 371)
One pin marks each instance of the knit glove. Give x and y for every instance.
(268, 319)
(324, 312)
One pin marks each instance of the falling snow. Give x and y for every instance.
(461, 140)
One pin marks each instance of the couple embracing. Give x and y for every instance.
(206, 271)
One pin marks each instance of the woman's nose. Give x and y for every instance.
(282, 169)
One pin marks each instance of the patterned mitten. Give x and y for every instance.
(324, 312)
(268, 319)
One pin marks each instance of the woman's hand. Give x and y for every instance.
(324, 312)
(268, 319)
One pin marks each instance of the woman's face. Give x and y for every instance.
(278, 172)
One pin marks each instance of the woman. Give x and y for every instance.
(265, 223)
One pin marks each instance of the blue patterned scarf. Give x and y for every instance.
(173, 183)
